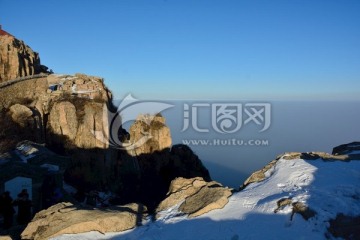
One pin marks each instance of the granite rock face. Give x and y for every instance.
(150, 133)
(75, 123)
(17, 59)
(63, 120)
(66, 218)
(195, 196)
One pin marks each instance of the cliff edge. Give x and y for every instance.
(17, 59)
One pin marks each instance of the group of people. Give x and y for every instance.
(7, 210)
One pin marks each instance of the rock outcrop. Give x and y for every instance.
(63, 120)
(67, 116)
(79, 85)
(297, 207)
(17, 59)
(77, 124)
(76, 115)
(259, 175)
(20, 114)
(195, 196)
(152, 134)
(345, 152)
(66, 218)
(345, 149)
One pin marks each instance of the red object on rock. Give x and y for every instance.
(2, 32)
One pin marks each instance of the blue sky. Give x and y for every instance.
(290, 50)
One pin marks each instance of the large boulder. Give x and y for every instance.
(21, 114)
(179, 190)
(66, 218)
(195, 196)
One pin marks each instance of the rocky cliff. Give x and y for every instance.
(17, 59)
(143, 174)
(62, 115)
(75, 111)
(68, 113)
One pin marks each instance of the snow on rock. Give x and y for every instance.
(276, 207)
(195, 196)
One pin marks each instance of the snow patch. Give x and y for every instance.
(328, 188)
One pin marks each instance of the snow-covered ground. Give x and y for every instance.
(326, 187)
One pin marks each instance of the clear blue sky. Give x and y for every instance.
(180, 49)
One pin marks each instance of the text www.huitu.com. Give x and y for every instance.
(225, 142)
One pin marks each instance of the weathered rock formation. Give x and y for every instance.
(76, 122)
(66, 218)
(69, 118)
(17, 59)
(69, 113)
(63, 120)
(195, 195)
(152, 134)
(80, 85)
(20, 114)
